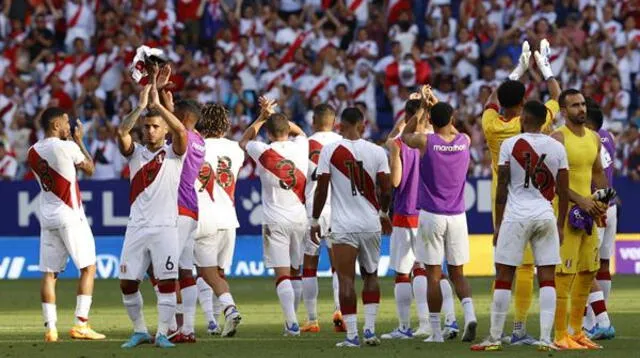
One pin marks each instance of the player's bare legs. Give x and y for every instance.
(463, 290)
(48, 299)
(434, 299)
(214, 277)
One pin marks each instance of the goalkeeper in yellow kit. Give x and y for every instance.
(500, 121)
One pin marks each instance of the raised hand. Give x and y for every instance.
(78, 133)
(163, 76)
(523, 62)
(144, 97)
(542, 59)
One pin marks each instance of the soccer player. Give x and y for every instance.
(497, 127)
(355, 169)
(65, 231)
(579, 250)
(188, 112)
(596, 320)
(152, 232)
(282, 166)
(217, 223)
(442, 219)
(531, 169)
(324, 118)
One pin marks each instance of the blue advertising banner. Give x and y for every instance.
(107, 206)
(19, 258)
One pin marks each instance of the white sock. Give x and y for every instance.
(226, 301)
(83, 304)
(205, 297)
(403, 295)
(297, 290)
(189, 302)
(287, 298)
(547, 311)
(217, 308)
(469, 312)
(351, 321)
(166, 311)
(605, 286)
(447, 302)
(50, 315)
(434, 320)
(602, 318)
(420, 295)
(589, 319)
(336, 290)
(133, 303)
(370, 315)
(310, 296)
(499, 310)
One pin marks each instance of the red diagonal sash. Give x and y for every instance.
(355, 5)
(145, 176)
(50, 180)
(76, 17)
(6, 109)
(315, 148)
(291, 178)
(225, 177)
(276, 79)
(341, 156)
(539, 174)
(358, 91)
(291, 51)
(314, 91)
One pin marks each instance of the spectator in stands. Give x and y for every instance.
(8, 164)
(634, 163)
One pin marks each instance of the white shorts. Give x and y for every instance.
(310, 248)
(404, 248)
(282, 244)
(514, 236)
(368, 245)
(72, 240)
(443, 236)
(186, 232)
(150, 245)
(215, 250)
(607, 234)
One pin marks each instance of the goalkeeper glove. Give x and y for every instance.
(523, 63)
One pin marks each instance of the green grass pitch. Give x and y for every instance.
(260, 334)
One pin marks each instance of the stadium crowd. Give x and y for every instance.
(76, 54)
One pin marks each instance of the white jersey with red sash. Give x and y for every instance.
(216, 186)
(53, 162)
(84, 66)
(358, 49)
(154, 186)
(7, 110)
(282, 167)
(313, 85)
(360, 8)
(316, 142)
(271, 80)
(80, 21)
(293, 39)
(109, 68)
(354, 166)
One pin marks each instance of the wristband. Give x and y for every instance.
(314, 222)
(383, 214)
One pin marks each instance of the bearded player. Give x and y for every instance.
(497, 127)
(580, 248)
(152, 230)
(65, 231)
(217, 223)
(324, 118)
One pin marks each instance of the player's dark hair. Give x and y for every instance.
(563, 96)
(277, 125)
(213, 121)
(152, 112)
(188, 106)
(535, 110)
(441, 114)
(352, 116)
(411, 107)
(511, 93)
(323, 114)
(595, 117)
(49, 115)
